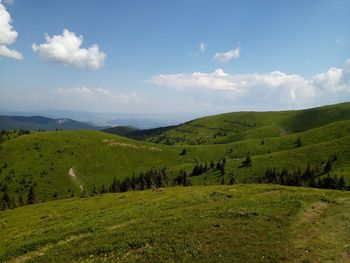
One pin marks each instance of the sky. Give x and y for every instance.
(183, 56)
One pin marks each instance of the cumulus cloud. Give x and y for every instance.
(334, 79)
(275, 87)
(7, 35)
(99, 94)
(227, 56)
(66, 49)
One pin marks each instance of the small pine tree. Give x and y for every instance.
(206, 168)
(341, 183)
(4, 205)
(31, 196)
(6, 197)
(222, 170)
(232, 178)
(328, 166)
(5, 200)
(183, 152)
(20, 198)
(186, 180)
(212, 164)
(13, 202)
(247, 162)
(94, 190)
(223, 180)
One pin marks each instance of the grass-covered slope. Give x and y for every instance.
(241, 223)
(231, 127)
(66, 163)
(120, 130)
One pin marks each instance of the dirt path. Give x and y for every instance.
(74, 177)
(320, 234)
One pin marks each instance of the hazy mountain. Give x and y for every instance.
(39, 122)
(137, 120)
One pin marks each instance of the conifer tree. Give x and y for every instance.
(222, 170)
(223, 180)
(183, 152)
(31, 196)
(232, 178)
(212, 164)
(341, 183)
(247, 162)
(328, 166)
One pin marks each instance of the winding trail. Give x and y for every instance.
(74, 177)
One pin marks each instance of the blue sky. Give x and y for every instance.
(173, 56)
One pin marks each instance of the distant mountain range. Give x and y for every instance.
(140, 121)
(43, 123)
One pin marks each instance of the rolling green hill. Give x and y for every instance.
(232, 127)
(68, 163)
(241, 223)
(120, 130)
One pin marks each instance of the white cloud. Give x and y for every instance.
(80, 91)
(275, 88)
(128, 98)
(227, 56)
(235, 84)
(66, 49)
(329, 80)
(103, 91)
(202, 47)
(334, 80)
(10, 53)
(7, 35)
(218, 80)
(97, 95)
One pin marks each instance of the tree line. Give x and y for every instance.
(150, 179)
(310, 177)
(15, 200)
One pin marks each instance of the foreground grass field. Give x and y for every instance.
(240, 223)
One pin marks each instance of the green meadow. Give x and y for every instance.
(209, 221)
(240, 223)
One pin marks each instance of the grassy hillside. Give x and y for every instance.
(67, 163)
(241, 223)
(120, 130)
(231, 127)
(42, 123)
(95, 158)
